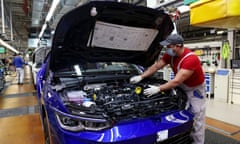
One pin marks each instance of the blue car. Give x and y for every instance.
(83, 85)
(2, 75)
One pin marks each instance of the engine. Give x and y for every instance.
(119, 100)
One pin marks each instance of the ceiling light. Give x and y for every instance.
(42, 30)
(183, 8)
(52, 9)
(8, 46)
(212, 31)
(49, 16)
(220, 32)
(52, 32)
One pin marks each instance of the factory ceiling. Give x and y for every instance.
(23, 19)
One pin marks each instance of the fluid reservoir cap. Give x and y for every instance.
(138, 90)
(94, 97)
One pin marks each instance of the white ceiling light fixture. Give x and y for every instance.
(8, 46)
(52, 9)
(152, 3)
(42, 30)
(49, 16)
(183, 8)
(52, 32)
(220, 32)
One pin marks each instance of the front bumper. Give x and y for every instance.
(166, 128)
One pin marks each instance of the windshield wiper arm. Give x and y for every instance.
(73, 75)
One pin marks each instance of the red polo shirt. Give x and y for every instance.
(191, 62)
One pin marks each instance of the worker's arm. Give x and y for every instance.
(180, 77)
(151, 70)
(154, 68)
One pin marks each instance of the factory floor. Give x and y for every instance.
(20, 122)
(19, 116)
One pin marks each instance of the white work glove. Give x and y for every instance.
(136, 79)
(152, 90)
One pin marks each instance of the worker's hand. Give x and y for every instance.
(135, 79)
(152, 90)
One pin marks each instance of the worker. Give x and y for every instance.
(19, 63)
(188, 75)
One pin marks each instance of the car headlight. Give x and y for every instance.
(72, 124)
(68, 123)
(79, 123)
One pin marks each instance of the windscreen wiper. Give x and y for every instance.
(72, 75)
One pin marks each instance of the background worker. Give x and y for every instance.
(188, 75)
(19, 63)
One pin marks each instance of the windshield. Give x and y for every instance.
(102, 68)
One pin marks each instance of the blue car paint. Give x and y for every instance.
(137, 131)
(140, 131)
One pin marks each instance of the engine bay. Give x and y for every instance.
(118, 100)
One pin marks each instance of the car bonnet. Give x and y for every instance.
(103, 31)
